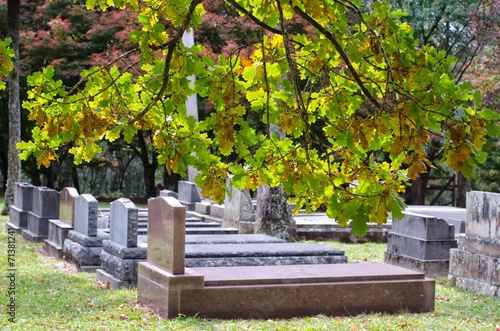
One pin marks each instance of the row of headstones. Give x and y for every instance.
(470, 260)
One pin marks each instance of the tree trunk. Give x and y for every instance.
(273, 216)
(463, 186)
(14, 163)
(149, 166)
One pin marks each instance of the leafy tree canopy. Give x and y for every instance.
(6, 66)
(347, 107)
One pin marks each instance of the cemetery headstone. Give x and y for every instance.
(59, 228)
(45, 207)
(239, 211)
(84, 243)
(475, 264)
(121, 252)
(162, 277)
(23, 204)
(421, 243)
(188, 194)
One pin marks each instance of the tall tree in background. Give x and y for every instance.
(461, 29)
(14, 163)
(356, 99)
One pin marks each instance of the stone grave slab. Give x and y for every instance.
(270, 291)
(249, 254)
(45, 207)
(318, 226)
(19, 211)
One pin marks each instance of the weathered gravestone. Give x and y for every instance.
(59, 228)
(475, 264)
(45, 207)
(121, 252)
(171, 289)
(188, 194)
(23, 204)
(239, 211)
(422, 243)
(84, 243)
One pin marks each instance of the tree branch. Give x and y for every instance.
(172, 45)
(343, 54)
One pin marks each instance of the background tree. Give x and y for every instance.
(14, 105)
(356, 97)
(461, 29)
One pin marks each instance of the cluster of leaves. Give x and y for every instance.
(6, 55)
(347, 107)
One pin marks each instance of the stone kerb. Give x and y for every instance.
(121, 252)
(475, 264)
(23, 204)
(239, 211)
(421, 243)
(84, 243)
(45, 207)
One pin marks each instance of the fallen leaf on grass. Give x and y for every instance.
(442, 298)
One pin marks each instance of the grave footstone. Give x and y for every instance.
(475, 264)
(84, 243)
(421, 243)
(121, 252)
(23, 204)
(45, 207)
(59, 228)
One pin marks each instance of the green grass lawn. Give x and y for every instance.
(51, 295)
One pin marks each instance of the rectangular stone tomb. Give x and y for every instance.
(266, 292)
(171, 289)
(421, 243)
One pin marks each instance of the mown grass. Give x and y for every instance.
(51, 295)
